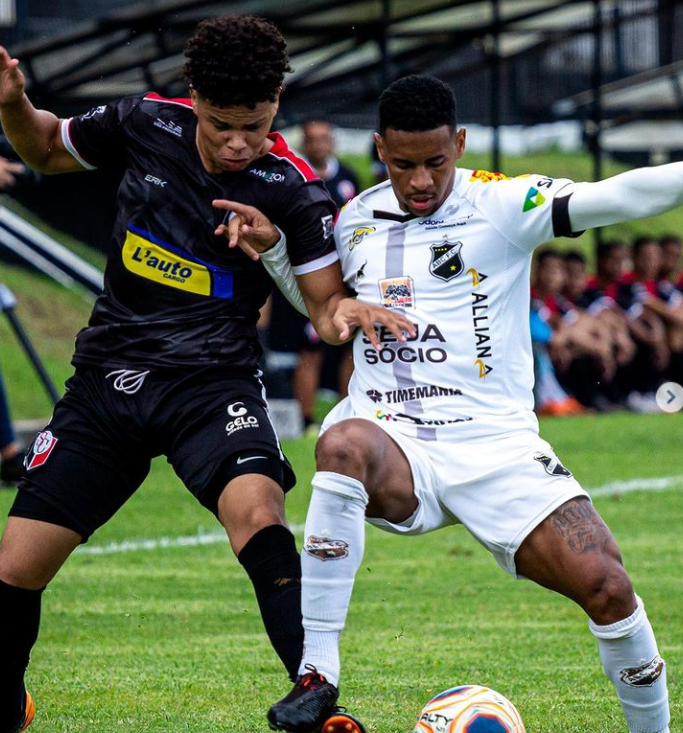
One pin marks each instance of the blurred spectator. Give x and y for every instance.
(290, 334)
(581, 348)
(317, 145)
(377, 168)
(671, 248)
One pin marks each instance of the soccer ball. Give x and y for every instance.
(469, 709)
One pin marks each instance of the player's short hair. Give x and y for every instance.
(236, 60)
(642, 241)
(573, 255)
(417, 103)
(670, 239)
(545, 254)
(606, 247)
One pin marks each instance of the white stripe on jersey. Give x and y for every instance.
(68, 144)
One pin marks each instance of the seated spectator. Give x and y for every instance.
(670, 266)
(658, 298)
(582, 349)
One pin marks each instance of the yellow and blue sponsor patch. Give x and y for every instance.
(149, 257)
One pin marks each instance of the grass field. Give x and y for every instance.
(164, 637)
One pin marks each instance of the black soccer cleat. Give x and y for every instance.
(342, 722)
(308, 705)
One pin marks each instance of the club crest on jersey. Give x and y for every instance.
(397, 292)
(40, 451)
(359, 235)
(552, 465)
(446, 260)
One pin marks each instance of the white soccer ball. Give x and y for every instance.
(469, 709)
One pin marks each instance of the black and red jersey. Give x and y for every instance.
(175, 295)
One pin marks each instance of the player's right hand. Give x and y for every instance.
(11, 79)
(7, 172)
(352, 313)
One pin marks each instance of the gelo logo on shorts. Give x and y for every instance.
(148, 257)
(241, 419)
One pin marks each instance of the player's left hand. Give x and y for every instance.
(247, 228)
(352, 313)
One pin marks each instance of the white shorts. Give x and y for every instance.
(500, 487)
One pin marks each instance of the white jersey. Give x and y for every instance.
(462, 276)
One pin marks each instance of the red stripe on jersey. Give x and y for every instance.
(281, 150)
(153, 96)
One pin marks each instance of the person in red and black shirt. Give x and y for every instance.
(169, 362)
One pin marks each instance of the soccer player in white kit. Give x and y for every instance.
(440, 429)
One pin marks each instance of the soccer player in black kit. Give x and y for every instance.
(169, 362)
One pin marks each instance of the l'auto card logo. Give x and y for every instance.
(42, 447)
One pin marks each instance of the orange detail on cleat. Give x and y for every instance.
(29, 712)
(342, 724)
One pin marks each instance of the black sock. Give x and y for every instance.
(274, 566)
(19, 621)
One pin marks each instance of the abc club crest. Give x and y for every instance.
(446, 260)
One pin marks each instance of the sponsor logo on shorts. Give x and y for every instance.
(645, 675)
(42, 446)
(397, 292)
(241, 460)
(552, 465)
(325, 548)
(241, 420)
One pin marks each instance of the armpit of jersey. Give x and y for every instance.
(146, 256)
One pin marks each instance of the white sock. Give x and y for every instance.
(334, 540)
(628, 651)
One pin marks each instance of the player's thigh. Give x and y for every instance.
(80, 469)
(503, 487)
(573, 552)
(223, 431)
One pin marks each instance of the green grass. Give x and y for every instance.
(171, 640)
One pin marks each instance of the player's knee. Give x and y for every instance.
(610, 597)
(346, 449)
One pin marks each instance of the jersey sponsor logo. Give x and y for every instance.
(41, 449)
(534, 199)
(552, 465)
(361, 271)
(325, 548)
(480, 323)
(241, 421)
(155, 180)
(446, 261)
(418, 348)
(95, 111)
(412, 393)
(146, 256)
(476, 276)
(397, 292)
(645, 675)
(359, 235)
(402, 417)
(328, 226)
(170, 127)
(267, 176)
(488, 176)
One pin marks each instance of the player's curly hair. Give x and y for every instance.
(236, 60)
(417, 103)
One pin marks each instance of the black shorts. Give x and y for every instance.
(211, 424)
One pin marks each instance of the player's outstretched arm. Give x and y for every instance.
(34, 134)
(634, 194)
